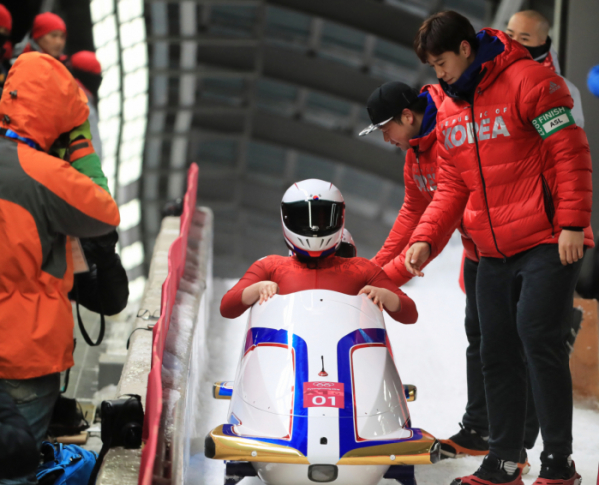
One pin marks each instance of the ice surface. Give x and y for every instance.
(179, 341)
(429, 354)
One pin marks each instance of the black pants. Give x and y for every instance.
(476, 416)
(524, 306)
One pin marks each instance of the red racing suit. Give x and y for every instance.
(345, 275)
(522, 172)
(420, 172)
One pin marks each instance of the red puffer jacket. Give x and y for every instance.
(525, 167)
(420, 172)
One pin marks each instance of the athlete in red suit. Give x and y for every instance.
(313, 218)
(285, 275)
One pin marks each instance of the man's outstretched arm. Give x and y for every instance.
(440, 218)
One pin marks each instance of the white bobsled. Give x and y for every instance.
(317, 398)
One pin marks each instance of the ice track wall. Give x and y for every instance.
(184, 356)
(159, 362)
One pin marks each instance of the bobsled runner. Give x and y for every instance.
(317, 398)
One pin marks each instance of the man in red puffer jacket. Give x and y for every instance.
(407, 120)
(514, 164)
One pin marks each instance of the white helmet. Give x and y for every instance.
(313, 217)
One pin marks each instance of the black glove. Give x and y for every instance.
(101, 251)
(105, 288)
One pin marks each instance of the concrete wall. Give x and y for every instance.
(582, 52)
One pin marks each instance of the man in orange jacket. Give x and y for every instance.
(43, 199)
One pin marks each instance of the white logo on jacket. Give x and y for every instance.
(462, 129)
(425, 178)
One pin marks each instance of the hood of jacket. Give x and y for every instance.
(427, 136)
(41, 100)
(494, 53)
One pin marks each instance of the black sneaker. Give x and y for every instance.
(557, 470)
(466, 442)
(523, 462)
(493, 471)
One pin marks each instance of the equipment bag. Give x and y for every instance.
(67, 418)
(65, 464)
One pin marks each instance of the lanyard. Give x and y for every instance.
(11, 134)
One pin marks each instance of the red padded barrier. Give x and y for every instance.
(176, 265)
(153, 412)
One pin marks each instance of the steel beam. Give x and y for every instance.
(506, 9)
(285, 65)
(370, 16)
(305, 137)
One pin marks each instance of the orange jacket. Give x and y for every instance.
(42, 200)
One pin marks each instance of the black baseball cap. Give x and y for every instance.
(386, 102)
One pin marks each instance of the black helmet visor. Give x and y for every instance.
(313, 218)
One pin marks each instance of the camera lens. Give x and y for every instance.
(132, 435)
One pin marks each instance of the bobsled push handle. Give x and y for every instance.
(410, 392)
(223, 390)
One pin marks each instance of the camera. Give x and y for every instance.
(122, 422)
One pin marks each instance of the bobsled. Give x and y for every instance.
(317, 398)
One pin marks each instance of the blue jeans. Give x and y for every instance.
(35, 399)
